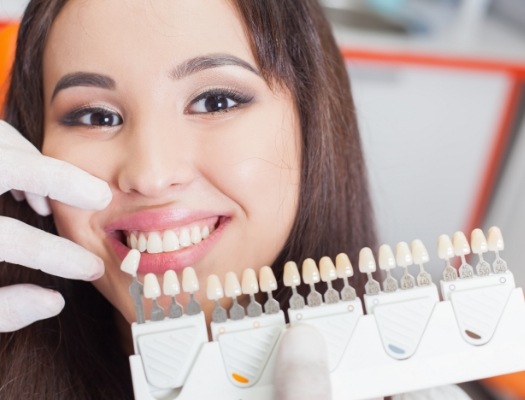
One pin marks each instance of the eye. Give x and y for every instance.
(217, 100)
(93, 116)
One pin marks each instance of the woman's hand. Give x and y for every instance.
(301, 368)
(28, 174)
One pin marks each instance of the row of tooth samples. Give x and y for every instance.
(405, 256)
(479, 244)
(327, 272)
(150, 289)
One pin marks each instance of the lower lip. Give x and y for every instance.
(175, 260)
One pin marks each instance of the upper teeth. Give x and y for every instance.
(168, 240)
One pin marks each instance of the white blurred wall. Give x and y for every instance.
(12, 9)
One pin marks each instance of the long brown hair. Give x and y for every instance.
(76, 355)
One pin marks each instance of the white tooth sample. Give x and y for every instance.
(328, 274)
(446, 252)
(311, 276)
(205, 232)
(462, 248)
(214, 288)
(249, 282)
(291, 277)
(404, 259)
(460, 242)
(170, 284)
(479, 245)
(142, 243)
(495, 242)
(184, 237)
(310, 272)
(495, 239)
(327, 269)
(386, 257)
(419, 252)
(130, 263)
(195, 235)
(267, 284)
(151, 286)
(445, 248)
(387, 262)
(344, 270)
(267, 281)
(170, 241)
(420, 256)
(232, 287)
(343, 266)
(478, 242)
(367, 265)
(190, 283)
(250, 286)
(403, 255)
(367, 262)
(154, 244)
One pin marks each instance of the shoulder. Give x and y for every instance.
(449, 392)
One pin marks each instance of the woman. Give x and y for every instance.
(227, 124)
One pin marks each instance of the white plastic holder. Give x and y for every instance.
(365, 370)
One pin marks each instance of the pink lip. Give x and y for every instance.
(159, 221)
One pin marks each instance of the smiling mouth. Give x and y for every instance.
(169, 240)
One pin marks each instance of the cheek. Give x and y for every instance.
(258, 165)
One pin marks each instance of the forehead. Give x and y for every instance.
(88, 34)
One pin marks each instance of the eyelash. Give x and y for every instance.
(231, 95)
(74, 117)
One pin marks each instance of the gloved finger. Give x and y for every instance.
(23, 304)
(38, 203)
(302, 370)
(23, 168)
(25, 245)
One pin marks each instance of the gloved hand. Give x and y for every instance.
(30, 175)
(301, 370)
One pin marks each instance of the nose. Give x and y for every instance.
(155, 163)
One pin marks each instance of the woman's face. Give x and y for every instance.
(163, 100)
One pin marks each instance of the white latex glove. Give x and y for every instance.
(302, 366)
(30, 175)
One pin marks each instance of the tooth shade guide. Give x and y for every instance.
(232, 289)
(190, 284)
(367, 265)
(496, 244)
(479, 245)
(267, 284)
(328, 274)
(311, 277)
(344, 270)
(420, 256)
(152, 291)
(387, 262)
(292, 279)
(251, 287)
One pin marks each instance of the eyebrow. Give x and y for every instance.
(83, 79)
(188, 67)
(209, 61)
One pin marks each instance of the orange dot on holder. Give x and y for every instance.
(240, 378)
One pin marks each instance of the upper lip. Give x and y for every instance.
(158, 220)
